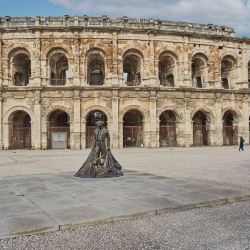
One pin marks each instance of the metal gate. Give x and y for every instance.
(19, 137)
(132, 136)
(90, 136)
(58, 137)
(167, 136)
(230, 135)
(200, 135)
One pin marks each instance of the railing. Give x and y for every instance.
(57, 82)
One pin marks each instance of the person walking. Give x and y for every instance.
(241, 147)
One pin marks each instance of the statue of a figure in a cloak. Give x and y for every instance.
(100, 162)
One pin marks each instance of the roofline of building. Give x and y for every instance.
(120, 23)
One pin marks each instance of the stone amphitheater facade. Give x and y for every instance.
(154, 83)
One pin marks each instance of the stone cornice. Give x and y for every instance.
(125, 88)
(118, 24)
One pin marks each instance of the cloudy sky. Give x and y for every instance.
(234, 13)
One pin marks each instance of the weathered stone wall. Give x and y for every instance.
(77, 37)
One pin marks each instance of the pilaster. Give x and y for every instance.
(36, 131)
(76, 133)
(153, 119)
(115, 133)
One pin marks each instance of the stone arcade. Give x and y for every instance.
(154, 83)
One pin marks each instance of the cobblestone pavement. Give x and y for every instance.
(221, 227)
(223, 165)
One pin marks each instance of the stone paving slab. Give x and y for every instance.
(47, 202)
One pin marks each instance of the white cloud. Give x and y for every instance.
(233, 13)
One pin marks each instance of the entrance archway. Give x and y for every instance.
(59, 130)
(230, 131)
(19, 130)
(133, 129)
(167, 129)
(200, 131)
(92, 118)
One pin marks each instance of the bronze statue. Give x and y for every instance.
(100, 162)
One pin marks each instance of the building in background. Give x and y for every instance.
(154, 83)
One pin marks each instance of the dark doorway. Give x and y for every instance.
(133, 129)
(230, 131)
(200, 131)
(167, 129)
(59, 130)
(20, 131)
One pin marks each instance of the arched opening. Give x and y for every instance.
(133, 129)
(167, 70)
(230, 130)
(96, 68)
(132, 68)
(59, 130)
(248, 74)
(58, 69)
(228, 67)
(21, 68)
(92, 118)
(167, 129)
(200, 130)
(19, 130)
(199, 70)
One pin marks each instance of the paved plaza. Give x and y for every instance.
(39, 192)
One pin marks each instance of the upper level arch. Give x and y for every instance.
(132, 67)
(48, 50)
(228, 71)
(199, 70)
(58, 66)
(20, 66)
(167, 68)
(96, 66)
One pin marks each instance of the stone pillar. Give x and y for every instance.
(1, 121)
(188, 124)
(83, 134)
(120, 126)
(5, 138)
(36, 128)
(72, 134)
(184, 66)
(153, 63)
(218, 120)
(211, 133)
(147, 129)
(115, 78)
(244, 123)
(36, 62)
(180, 133)
(245, 60)
(153, 119)
(157, 140)
(44, 133)
(76, 66)
(115, 120)
(76, 131)
(1, 68)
